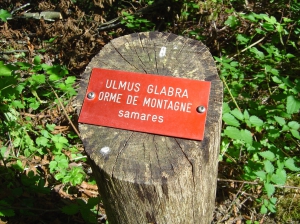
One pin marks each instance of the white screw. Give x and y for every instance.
(201, 109)
(91, 95)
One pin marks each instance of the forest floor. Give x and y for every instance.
(72, 41)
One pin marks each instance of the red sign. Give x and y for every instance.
(155, 104)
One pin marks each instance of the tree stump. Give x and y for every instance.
(147, 178)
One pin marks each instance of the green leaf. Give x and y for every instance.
(5, 209)
(279, 177)
(60, 176)
(276, 80)
(52, 166)
(263, 209)
(59, 141)
(292, 105)
(260, 31)
(6, 70)
(289, 55)
(273, 200)
(255, 121)
(270, 189)
(23, 65)
(268, 26)
(34, 105)
(232, 21)
(250, 17)
(261, 174)
(76, 176)
(290, 164)
(269, 168)
(50, 127)
(294, 125)
(230, 120)
(242, 38)
(295, 134)
(267, 155)
(258, 54)
(232, 132)
(45, 133)
(246, 115)
(271, 19)
(272, 208)
(226, 108)
(3, 151)
(39, 79)
(41, 141)
(37, 60)
(246, 136)
(55, 72)
(62, 161)
(70, 80)
(18, 104)
(279, 120)
(238, 114)
(4, 15)
(93, 202)
(71, 209)
(271, 70)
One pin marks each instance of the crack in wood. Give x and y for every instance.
(119, 153)
(160, 175)
(137, 54)
(193, 175)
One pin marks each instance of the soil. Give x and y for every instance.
(73, 41)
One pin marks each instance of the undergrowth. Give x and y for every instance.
(261, 108)
(260, 133)
(29, 90)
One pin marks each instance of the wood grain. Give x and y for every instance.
(146, 178)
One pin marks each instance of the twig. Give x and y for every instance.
(255, 183)
(234, 200)
(65, 112)
(224, 81)
(238, 181)
(12, 52)
(19, 8)
(35, 209)
(292, 203)
(146, 10)
(257, 42)
(33, 115)
(108, 27)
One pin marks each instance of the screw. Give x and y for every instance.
(201, 109)
(91, 95)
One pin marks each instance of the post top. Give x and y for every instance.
(142, 157)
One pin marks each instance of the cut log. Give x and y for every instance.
(147, 178)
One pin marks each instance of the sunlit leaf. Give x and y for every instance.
(230, 120)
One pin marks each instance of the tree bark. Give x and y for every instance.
(146, 178)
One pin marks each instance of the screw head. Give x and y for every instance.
(201, 109)
(91, 95)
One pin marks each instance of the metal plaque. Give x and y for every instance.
(155, 104)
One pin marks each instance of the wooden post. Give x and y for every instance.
(146, 178)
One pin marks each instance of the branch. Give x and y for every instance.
(46, 15)
(255, 183)
(65, 112)
(116, 22)
(257, 42)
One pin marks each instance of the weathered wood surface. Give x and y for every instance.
(146, 178)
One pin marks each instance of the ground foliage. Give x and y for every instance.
(45, 176)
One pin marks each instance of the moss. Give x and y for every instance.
(288, 207)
